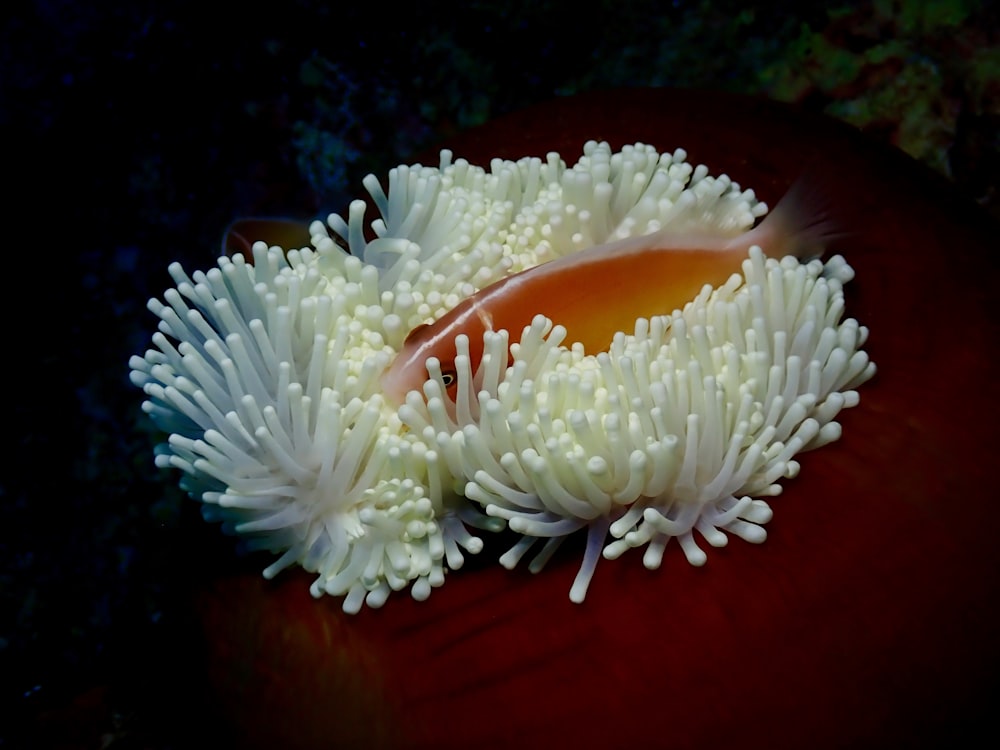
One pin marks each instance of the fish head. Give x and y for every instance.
(408, 371)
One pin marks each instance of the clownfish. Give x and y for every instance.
(603, 289)
(241, 235)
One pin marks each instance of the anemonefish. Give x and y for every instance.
(600, 290)
(241, 234)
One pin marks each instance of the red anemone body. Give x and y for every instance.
(867, 619)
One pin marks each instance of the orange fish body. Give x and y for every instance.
(599, 291)
(241, 235)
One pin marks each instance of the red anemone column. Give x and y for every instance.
(867, 619)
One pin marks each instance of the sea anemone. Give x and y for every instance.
(270, 400)
(265, 377)
(679, 427)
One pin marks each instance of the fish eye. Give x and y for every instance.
(448, 378)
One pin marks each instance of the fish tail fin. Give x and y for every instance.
(805, 222)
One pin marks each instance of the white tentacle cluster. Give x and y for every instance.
(264, 375)
(680, 428)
